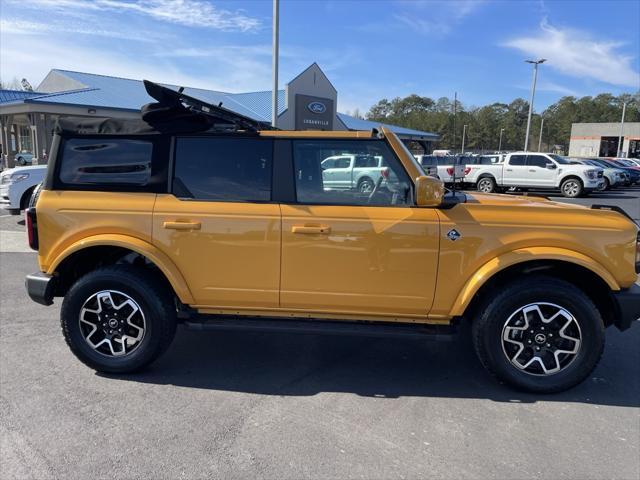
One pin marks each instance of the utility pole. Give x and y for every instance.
(621, 137)
(533, 92)
(541, 127)
(464, 131)
(500, 143)
(455, 101)
(276, 34)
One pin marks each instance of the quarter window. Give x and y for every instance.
(106, 161)
(376, 178)
(223, 169)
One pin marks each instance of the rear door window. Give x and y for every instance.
(518, 160)
(223, 169)
(386, 185)
(106, 161)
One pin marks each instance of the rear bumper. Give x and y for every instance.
(627, 306)
(40, 287)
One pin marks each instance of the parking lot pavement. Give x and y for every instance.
(233, 405)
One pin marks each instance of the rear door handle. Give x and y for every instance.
(322, 229)
(182, 225)
(533, 171)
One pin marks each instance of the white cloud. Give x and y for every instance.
(32, 56)
(436, 17)
(26, 27)
(191, 13)
(578, 54)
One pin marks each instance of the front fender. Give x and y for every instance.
(497, 264)
(158, 258)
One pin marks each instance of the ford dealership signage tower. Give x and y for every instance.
(310, 101)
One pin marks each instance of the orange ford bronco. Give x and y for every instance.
(195, 214)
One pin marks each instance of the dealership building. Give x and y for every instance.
(601, 139)
(308, 102)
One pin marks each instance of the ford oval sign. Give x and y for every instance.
(317, 107)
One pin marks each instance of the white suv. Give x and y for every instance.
(17, 184)
(537, 171)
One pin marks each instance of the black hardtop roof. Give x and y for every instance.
(174, 112)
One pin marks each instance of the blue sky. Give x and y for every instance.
(370, 49)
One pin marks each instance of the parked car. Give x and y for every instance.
(624, 162)
(17, 184)
(633, 172)
(539, 171)
(613, 177)
(24, 158)
(255, 241)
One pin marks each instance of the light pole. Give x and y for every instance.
(464, 131)
(533, 92)
(500, 143)
(541, 127)
(621, 136)
(276, 33)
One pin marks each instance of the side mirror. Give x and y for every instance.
(429, 191)
(551, 166)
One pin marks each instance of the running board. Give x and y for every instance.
(326, 327)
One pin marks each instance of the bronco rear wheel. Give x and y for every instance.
(540, 334)
(118, 319)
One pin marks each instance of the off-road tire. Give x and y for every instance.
(148, 291)
(487, 330)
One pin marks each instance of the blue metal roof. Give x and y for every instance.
(353, 123)
(13, 95)
(126, 94)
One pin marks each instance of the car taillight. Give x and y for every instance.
(450, 171)
(467, 170)
(32, 227)
(385, 172)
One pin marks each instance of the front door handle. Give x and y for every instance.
(532, 171)
(322, 229)
(182, 225)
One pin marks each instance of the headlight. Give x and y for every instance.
(592, 174)
(18, 177)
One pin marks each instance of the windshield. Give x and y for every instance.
(559, 159)
(626, 163)
(597, 163)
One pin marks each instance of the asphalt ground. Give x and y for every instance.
(234, 405)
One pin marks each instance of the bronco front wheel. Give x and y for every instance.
(540, 334)
(118, 319)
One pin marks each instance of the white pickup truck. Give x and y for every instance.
(17, 184)
(348, 172)
(536, 171)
